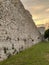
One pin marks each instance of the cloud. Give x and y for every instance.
(36, 2)
(47, 10)
(38, 8)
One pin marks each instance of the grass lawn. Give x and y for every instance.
(36, 55)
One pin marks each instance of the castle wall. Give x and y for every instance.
(17, 29)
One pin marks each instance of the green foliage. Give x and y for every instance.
(36, 55)
(46, 34)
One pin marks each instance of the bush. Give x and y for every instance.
(46, 34)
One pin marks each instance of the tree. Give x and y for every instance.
(46, 34)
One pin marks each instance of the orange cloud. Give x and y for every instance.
(38, 7)
(41, 21)
(47, 10)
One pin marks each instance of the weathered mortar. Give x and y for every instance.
(17, 29)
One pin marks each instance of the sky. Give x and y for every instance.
(39, 10)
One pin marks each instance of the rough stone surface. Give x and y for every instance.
(17, 29)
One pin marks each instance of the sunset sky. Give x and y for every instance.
(39, 10)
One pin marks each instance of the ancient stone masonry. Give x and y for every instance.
(17, 29)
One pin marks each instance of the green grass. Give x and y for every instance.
(36, 55)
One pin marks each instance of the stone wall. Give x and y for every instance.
(17, 29)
